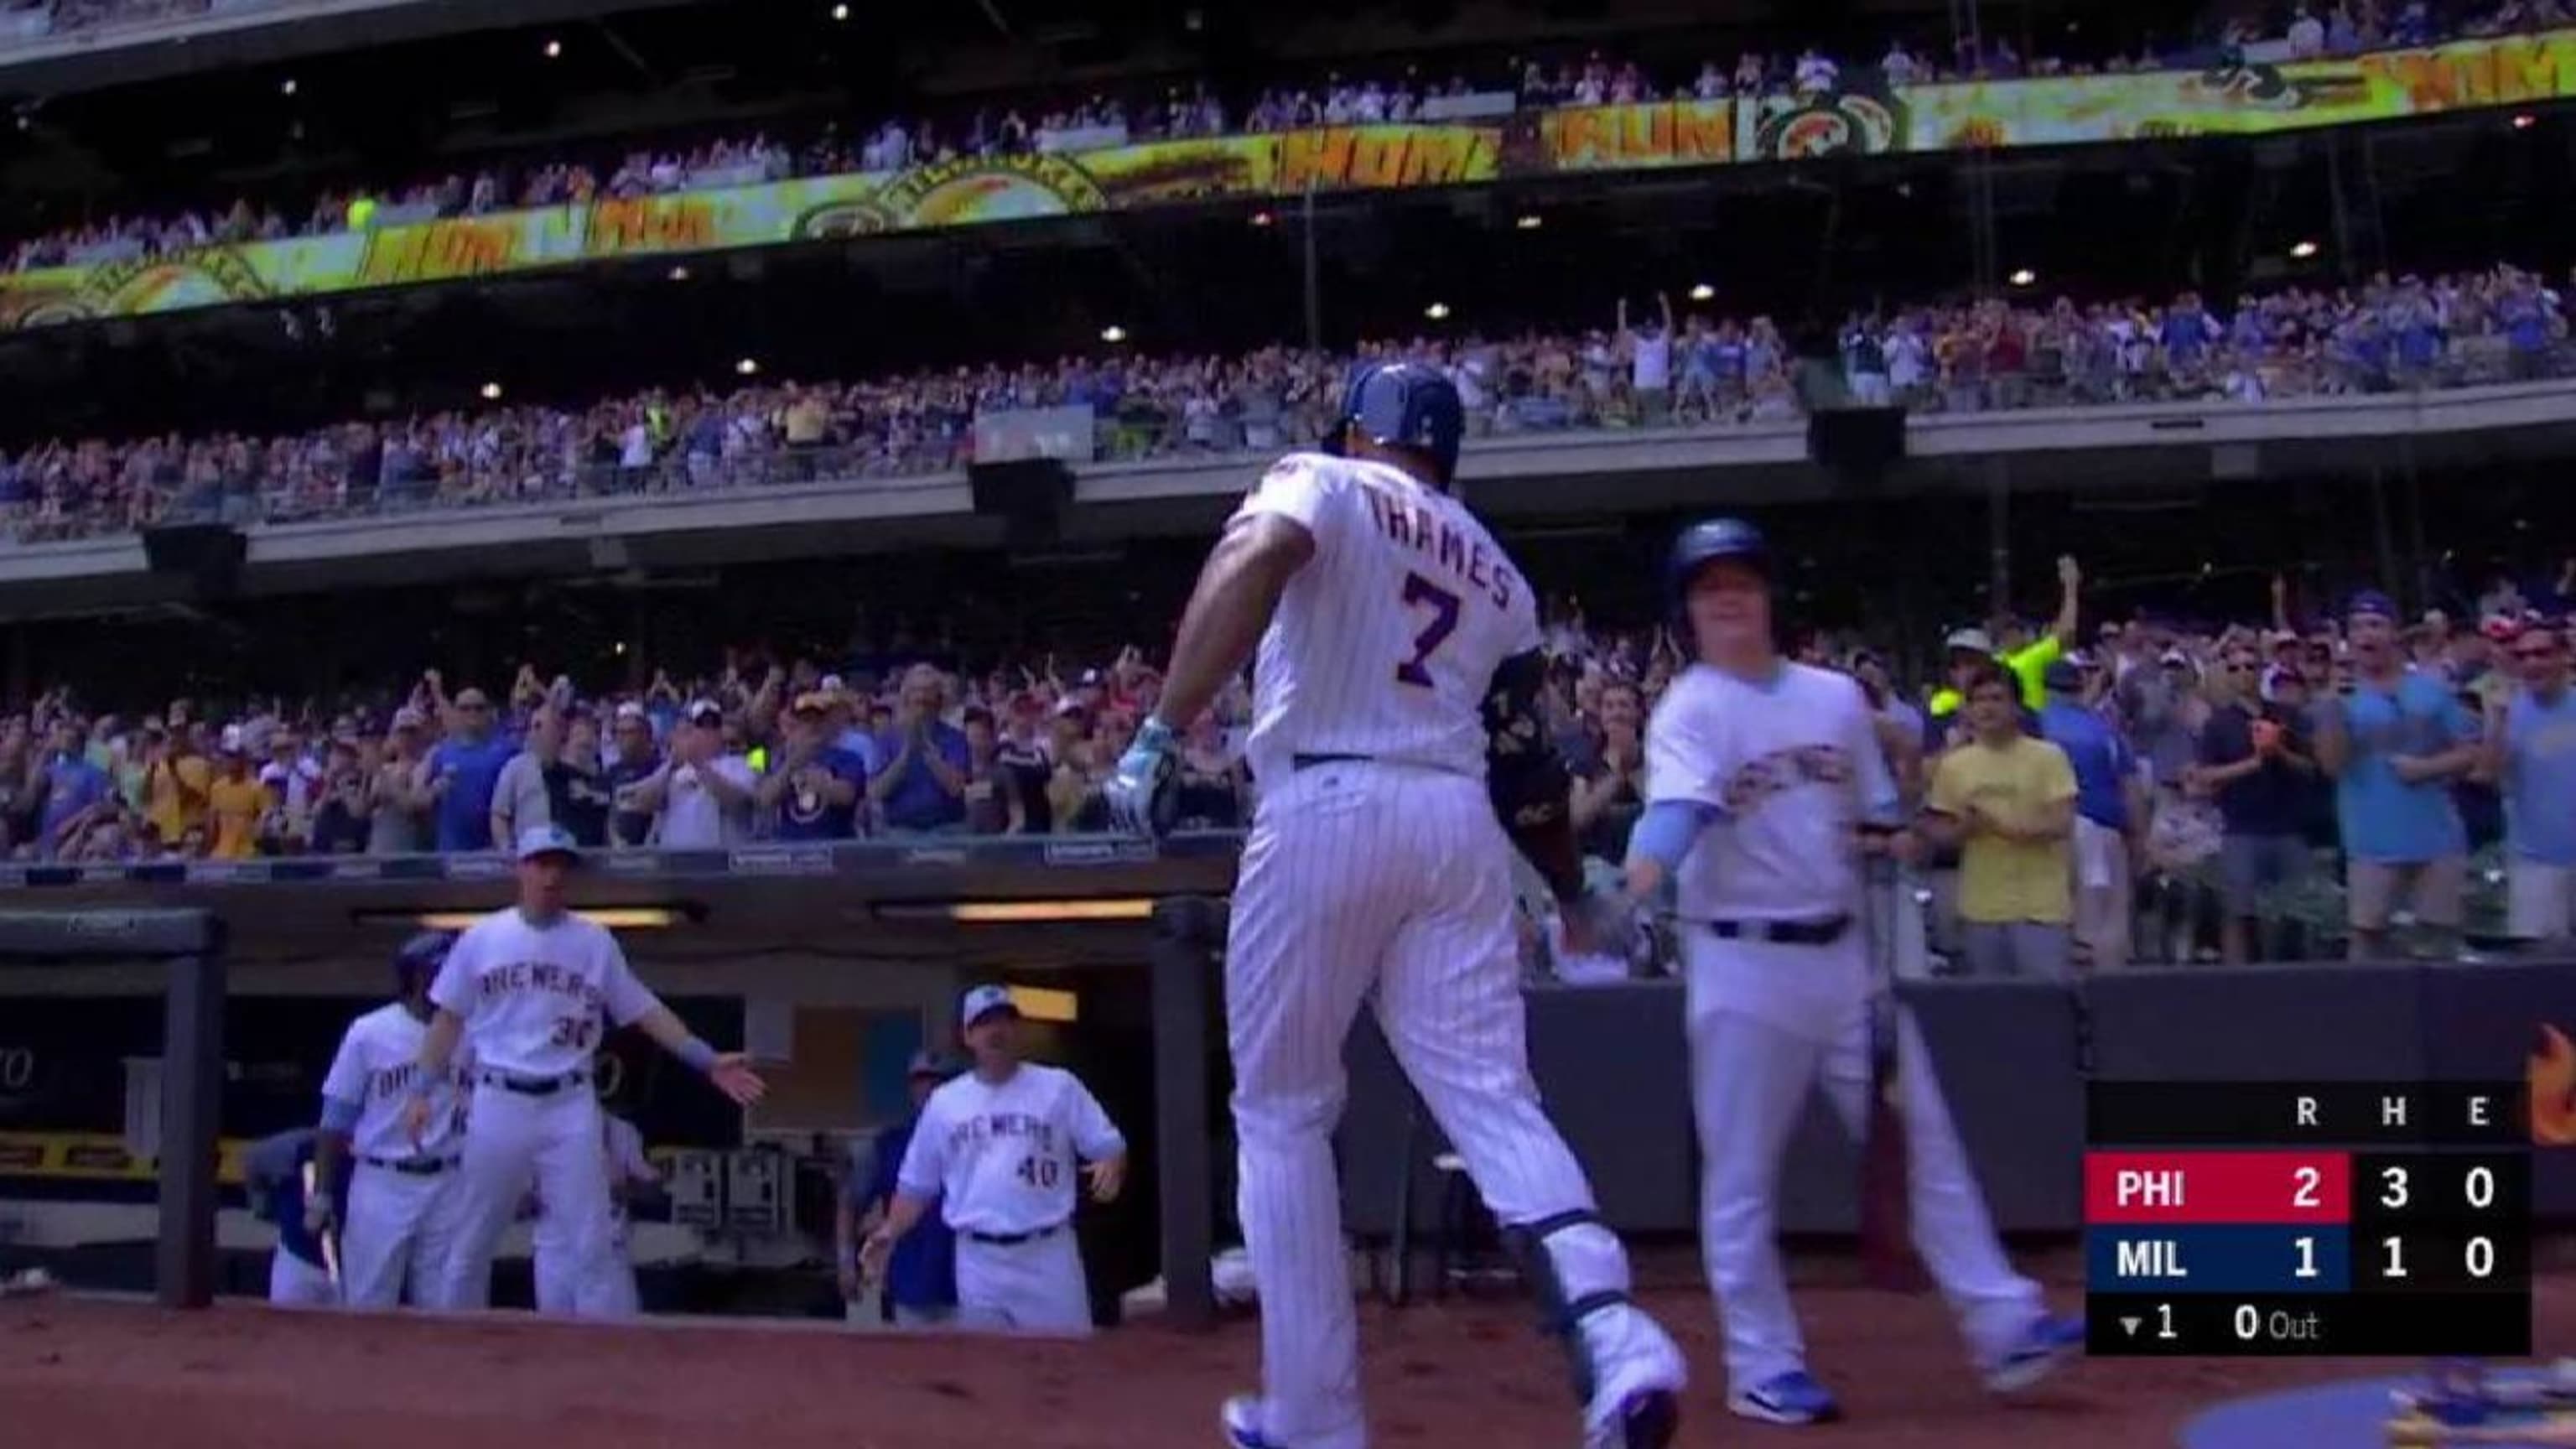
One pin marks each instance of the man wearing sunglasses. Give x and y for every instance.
(2254, 761)
(2529, 752)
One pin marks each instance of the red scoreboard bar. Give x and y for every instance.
(2239, 1219)
(2217, 1187)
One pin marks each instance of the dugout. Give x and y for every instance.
(832, 963)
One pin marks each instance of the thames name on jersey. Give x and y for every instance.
(1406, 518)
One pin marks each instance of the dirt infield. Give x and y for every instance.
(77, 1372)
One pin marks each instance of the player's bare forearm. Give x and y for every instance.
(903, 1213)
(438, 1043)
(1643, 876)
(1238, 591)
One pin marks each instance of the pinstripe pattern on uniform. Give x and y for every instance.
(1385, 879)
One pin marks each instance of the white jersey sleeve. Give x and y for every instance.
(1094, 1136)
(924, 1169)
(452, 989)
(625, 998)
(1682, 748)
(1386, 643)
(347, 1079)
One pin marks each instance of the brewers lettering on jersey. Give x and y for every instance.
(1395, 742)
(406, 1213)
(1003, 1160)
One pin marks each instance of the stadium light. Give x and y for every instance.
(1703, 292)
(2023, 277)
(554, 50)
(286, 87)
(1530, 221)
(2524, 121)
(1261, 218)
(748, 366)
(840, 12)
(680, 272)
(2304, 250)
(615, 918)
(1020, 913)
(491, 392)
(1113, 333)
(1437, 311)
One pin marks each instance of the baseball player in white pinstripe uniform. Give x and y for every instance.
(1765, 789)
(1399, 757)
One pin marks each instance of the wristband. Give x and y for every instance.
(1154, 734)
(697, 1053)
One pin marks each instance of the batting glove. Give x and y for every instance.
(1140, 791)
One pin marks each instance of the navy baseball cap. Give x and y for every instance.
(2064, 675)
(2371, 601)
(983, 1001)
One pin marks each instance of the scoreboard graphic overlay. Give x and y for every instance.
(2328, 1219)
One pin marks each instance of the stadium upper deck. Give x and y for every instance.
(157, 231)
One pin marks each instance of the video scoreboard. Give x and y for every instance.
(2331, 1219)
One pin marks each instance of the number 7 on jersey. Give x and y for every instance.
(1421, 593)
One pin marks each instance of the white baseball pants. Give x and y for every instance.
(403, 1230)
(1363, 880)
(1750, 1081)
(1035, 1286)
(294, 1283)
(604, 1286)
(548, 1144)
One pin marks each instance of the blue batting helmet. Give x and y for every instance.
(1705, 543)
(1405, 404)
(420, 958)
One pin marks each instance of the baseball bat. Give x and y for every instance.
(329, 1238)
(2428, 1434)
(1888, 1262)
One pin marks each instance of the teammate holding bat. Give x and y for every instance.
(1766, 790)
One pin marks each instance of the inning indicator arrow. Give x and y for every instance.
(2130, 1325)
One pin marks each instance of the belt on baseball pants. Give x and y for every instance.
(411, 1166)
(534, 1086)
(1317, 762)
(1005, 1240)
(1782, 933)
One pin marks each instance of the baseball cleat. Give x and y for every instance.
(1645, 1419)
(1241, 1417)
(2050, 1343)
(1791, 1398)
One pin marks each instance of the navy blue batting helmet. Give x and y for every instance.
(1406, 404)
(1702, 544)
(420, 958)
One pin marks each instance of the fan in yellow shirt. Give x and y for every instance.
(2008, 802)
(236, 800)
(175, 777)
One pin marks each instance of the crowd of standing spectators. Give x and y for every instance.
(2195, 790)
(1648, 367)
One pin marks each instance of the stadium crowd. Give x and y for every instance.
(1181, 111)
(1649, 368)
(2204, 814)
